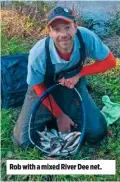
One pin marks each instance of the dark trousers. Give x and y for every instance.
(68, 101)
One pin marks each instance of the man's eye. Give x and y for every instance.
(67, 28)
(56, 29)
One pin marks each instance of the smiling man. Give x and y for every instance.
(60, 58)
(62, 34)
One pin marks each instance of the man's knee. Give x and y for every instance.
(96, 136)
(21, 139)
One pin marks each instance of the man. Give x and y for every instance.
(66, 49)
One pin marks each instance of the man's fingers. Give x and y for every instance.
(69, 83)
(71, 86)
(61, 81)
(66, 82)
(72, 123)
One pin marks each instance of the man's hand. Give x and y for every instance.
(70, 82)
(64, 123)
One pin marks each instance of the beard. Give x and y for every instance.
(64, 43)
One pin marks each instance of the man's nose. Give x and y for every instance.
(63, 32)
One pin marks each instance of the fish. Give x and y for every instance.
(63, 134)
(69, 135)
(48, 134)
(68, 143)
(42, 139)
(46, 148)
(44, 144)
(52, 135)
(56, 151)
(54, 132)
(71, 149)
(75, 135)
(59, 143)
(43, 132)
(75, 150)
(43, 136)
(71, 140)
(75, 143)
(55, 143)
(64, 154)
(62, 142)
(45, 129)
(63, 150)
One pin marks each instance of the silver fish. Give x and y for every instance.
(63, 150)
(63, 153)
(54, 143)
(63, 134)
(54, 132)
(45, 129)
(73, 139)
(43, 132)
(71, 149)
(78, 133)
(43, 136)
(70, 142)
(57, 154)
(75, 150)
(59, 143)
(59, 133)
(48, 134)
(44, 144)
(52, 135)
(75, 143)
(69, 135)
(55, 151)
(47, 148)
(73, 136)
(42, 139)
(62, 142)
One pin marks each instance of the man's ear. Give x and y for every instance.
(75, 25)
(49, 30)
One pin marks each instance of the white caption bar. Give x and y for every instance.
(55, 167)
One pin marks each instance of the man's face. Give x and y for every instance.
(63, 34)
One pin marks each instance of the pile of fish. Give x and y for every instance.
(59, 143)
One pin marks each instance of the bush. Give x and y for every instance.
(21, 20)
(115, 24)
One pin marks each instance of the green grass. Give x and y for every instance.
(109, 148)
(15, 45)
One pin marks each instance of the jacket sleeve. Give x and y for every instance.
(99, 66)
(49, 101)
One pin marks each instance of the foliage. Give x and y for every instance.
(25, 20)
(115, 24)
(19, 26)
(18, 3)
(14, 46)
(107, 84)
